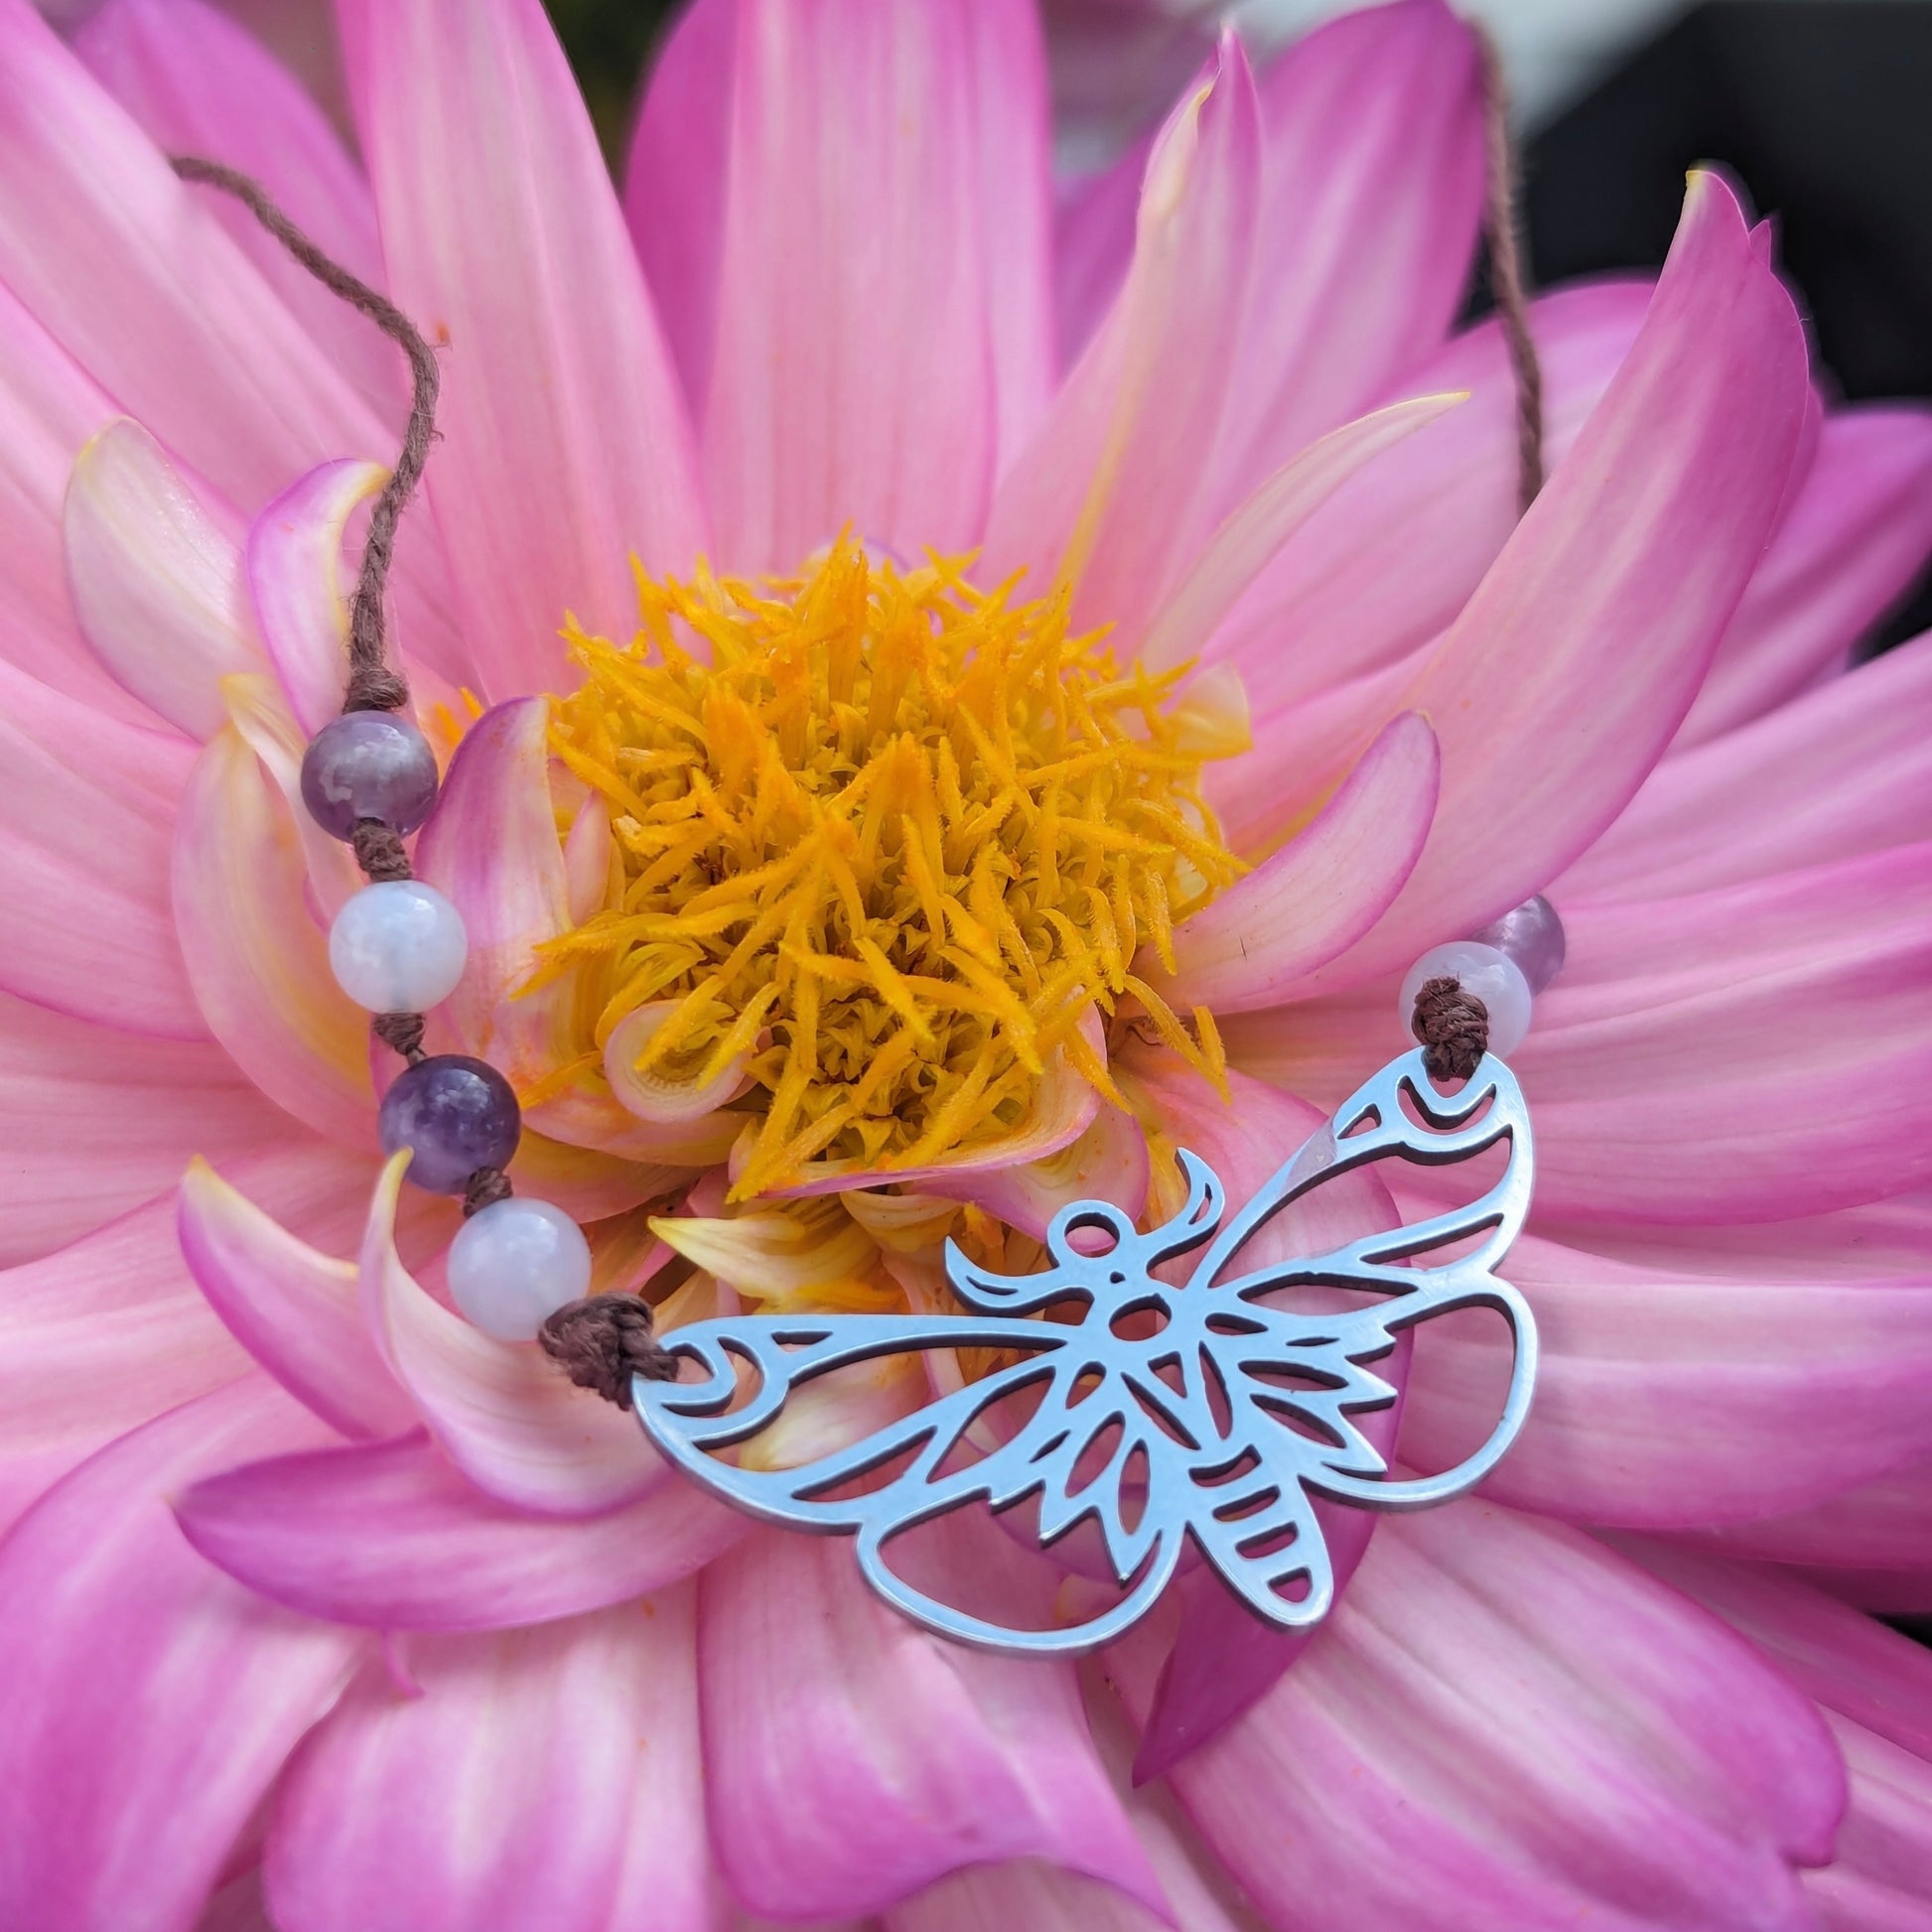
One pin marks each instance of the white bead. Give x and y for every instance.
(398, 947)
(515, 1262)
(1485, 971)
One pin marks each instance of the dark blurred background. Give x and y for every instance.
(1821, 109)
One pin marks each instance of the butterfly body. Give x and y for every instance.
(1155, 1414)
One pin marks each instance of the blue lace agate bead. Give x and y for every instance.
(458, 1114)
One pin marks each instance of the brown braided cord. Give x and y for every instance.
(1454, 1028)
(1508, 271)
(603, 1341)
(373, 685)
(379, 849)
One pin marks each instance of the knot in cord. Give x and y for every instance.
(484, 1188)
(1454, 1028)
(402, 1032)
(604, 1340)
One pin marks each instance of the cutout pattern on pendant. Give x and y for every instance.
(1164, 1415)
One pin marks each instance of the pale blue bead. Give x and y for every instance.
(398, 947)
(1487, 972)
(1533, 936)
(512, 1264)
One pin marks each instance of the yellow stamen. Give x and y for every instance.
(889, 846)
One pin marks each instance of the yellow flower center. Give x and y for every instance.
(876, 861)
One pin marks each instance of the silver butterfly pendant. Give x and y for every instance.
(1168, 1418)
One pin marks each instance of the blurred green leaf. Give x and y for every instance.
(608, 42)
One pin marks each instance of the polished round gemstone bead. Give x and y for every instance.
(1485, 971)
(369, 765)
(515, 1262)
(398, 947)
(1532, 936)
(458, 1114)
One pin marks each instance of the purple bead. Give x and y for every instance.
(1532, 936)
(369, 765)
(458, 1114)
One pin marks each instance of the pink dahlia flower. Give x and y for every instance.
(321, 1608)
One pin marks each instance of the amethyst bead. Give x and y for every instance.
(369, 765)
(1532, 936)
(457, 1114)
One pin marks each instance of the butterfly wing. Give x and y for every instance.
(1290, 1384)
(1063, 1452)
(1237, 1423)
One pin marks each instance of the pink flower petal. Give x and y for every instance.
(1112, 495)
(1385, 565)
(1505, 1724)
(1875, 1689)
(198, 83)
(586, 1184)
(1568, 671)
(1845, 1661)
(149, 1699)
(98, 1121)
(564, 441)
(1877, 1880)
(1665, 1401)
(292, 1309)
(503, 1795)
(1875, 1241)
(1656, 1099)
(1851, 544)
(1011, 111)
(852, 378)
(1107, 1162)
(1842, 769)
(1094, 245)
(295, 554)
(107, 1333)
(1047, 1897)
(1372, 172)
(677, 177)
(1268, 517)
(261, 715)
(156, 580)
(134, 275)
(850, 1759)
(1881, 1525)
(74, 1377)
(1305, 752)
(1323, 890)
(257, 960)
(503, 1411)
(394, 1535)
(86, 807)
(48, 411)
(492, 846)
(1042, 1898)
(236, 1907)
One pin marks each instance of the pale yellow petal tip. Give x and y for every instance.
(115, 426)
(388, 1185)
(201, 1177)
